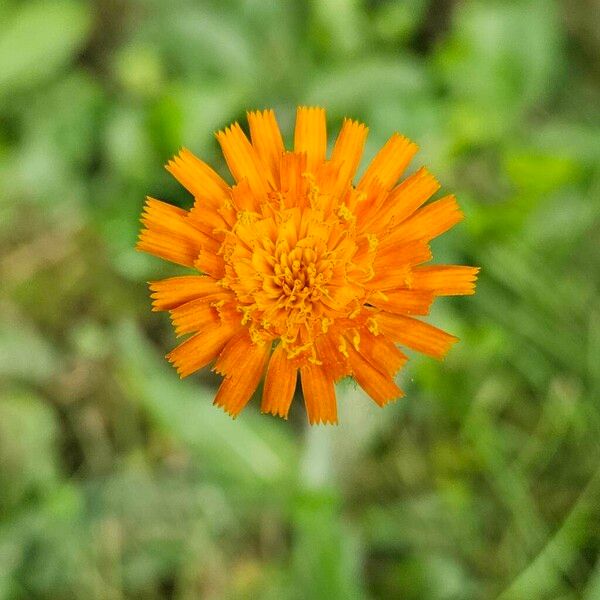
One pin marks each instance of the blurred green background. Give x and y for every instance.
(119, 481)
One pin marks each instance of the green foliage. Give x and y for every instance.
(117, 480)
(37, 40)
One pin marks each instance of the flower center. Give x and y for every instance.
(289, 272)
(299, 276)
(288, 302)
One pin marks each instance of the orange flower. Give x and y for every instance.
(300, 269)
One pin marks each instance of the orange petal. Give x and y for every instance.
(319, 394)
(208, 220)
(244, 362)
(430, 221)
(397, 256)
(229, 359)
(197, 351)
(380, 386)
(370, 205)
(266, 139)
(389, 279)
(310, 135)
(347, 152)
(389, 163)
(337, 297)
(242, 159)
(168, 234)
(211, 263)
(415, 334)
(280, 384)
(393, 264)
(174, 291)
(328, 352)
(243, 197)
(407, 302)
(380, 352)
(294, 185)
(403, 200)
(199, 314)
(198, 178)
(446, 280)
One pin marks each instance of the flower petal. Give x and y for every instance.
(392, 261)
(329, 354)
(208, 220)
(266, 139)
(244, 198)
(380, 352)
(310, 135)
(280, 384)
(407, 302)
(378, 385)
(430, 221)
(199, 314)
(347, 153)
(197, 351)
(243, 363)
(389, 163)
(198, 178)
(415, 334)
(168, 234)
(319, 394)
(402, 201)
(242, 159)
(174, 291)
(210, 262)
(294, 185)
(446, 280)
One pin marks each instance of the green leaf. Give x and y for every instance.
(25, 354)
(38, 39)
(28, 451)
(327, 553)
(252, 448)
(500, 59)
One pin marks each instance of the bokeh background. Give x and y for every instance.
(119, 481)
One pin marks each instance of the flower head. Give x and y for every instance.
(302, 271)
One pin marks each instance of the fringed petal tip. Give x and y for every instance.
(226, 408)
(260, 113)
(221, 133)
(176, 362)
(275, 413)
(313, 108)
(391, 397)
(154, 287)
(324, 421)
(171, 163)
(446, 280)
(350, 122)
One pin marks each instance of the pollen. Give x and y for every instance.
(302, 272)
